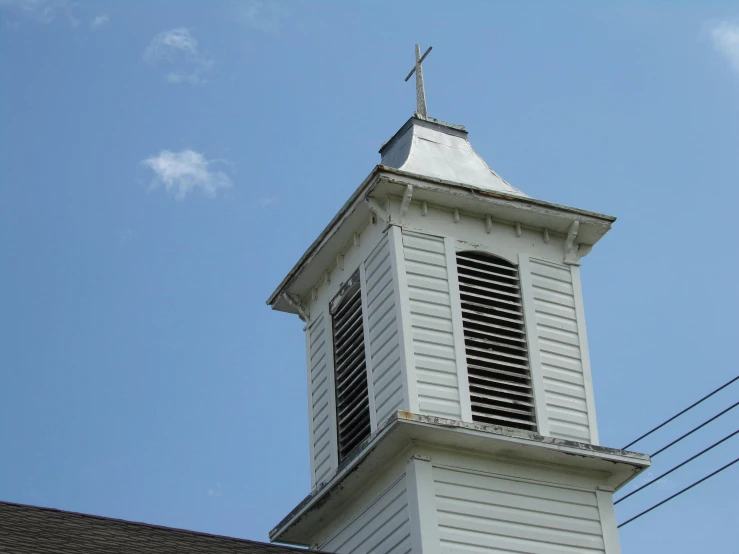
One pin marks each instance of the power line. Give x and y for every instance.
(677, 440)
(715, 444)
(679, 493)
(681, 413)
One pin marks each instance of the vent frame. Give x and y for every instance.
(351, 382)
(496, 349)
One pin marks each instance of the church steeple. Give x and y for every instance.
(449, 383)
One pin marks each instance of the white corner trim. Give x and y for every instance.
(367, 345)
(532, 338)
(582, 335)
(463, 382)
(402, 303)
(424, 520)
(309, 372)
(608, 521)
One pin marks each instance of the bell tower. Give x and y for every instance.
(449, 384)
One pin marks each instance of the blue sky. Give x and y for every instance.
(164, 164)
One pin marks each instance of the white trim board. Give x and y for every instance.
(582, 335)
(422, 513)
(532, 338)
(402, 303)
(463, 383)
(367, 344)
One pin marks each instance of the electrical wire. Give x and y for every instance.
(637, 516)
(715, 444)
(677, 440)
(681, 413)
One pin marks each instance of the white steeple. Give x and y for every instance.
(449, 384)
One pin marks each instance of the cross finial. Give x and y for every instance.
(420, 92)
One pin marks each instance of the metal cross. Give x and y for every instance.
(420, 92)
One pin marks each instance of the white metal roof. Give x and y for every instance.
(432, 149)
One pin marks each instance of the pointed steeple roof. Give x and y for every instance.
(430, 148)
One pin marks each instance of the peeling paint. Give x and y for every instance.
(521, 434)
(327, 490)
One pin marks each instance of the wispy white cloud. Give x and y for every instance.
(666, 485)
(181, 173)
(41, 11)
(125, 236)
(215, 492)
(725, 36)
(167, 44)
(99, 21)
(262, 15)
(177, 49)
(267, 201)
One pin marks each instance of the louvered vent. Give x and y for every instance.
(495, 341)
(352, 394)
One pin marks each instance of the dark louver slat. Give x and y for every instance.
(495, 341)
(352, 393)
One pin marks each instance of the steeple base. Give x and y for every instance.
(428, 485)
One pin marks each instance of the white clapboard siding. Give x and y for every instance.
(431, 323)
(320, 384)
(485, 513)
(559, 348)
(384, 342)
(382, 528)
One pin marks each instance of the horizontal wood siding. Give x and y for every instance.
(431, 323)
(559, 348)
(384, 342)
(320, 383)
(381, 528)
(484, 513)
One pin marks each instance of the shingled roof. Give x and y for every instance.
(34, 530)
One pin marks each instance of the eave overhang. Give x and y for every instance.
(402, 430)
(386, 182)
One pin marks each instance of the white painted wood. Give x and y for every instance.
(383, 335)
(415, 348)
(380, 526)
(309, 390)
(529, 313)
(353, 257)
(319, 304)
(332, 398)
(584, 353)
(608, 521)
(500, 241)
(323, 427)
(458, 330)
(515, 468)
(432, 327)
(402, 300)
(367, 347)
(424, 524)
(487, 512)
(559, 341)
